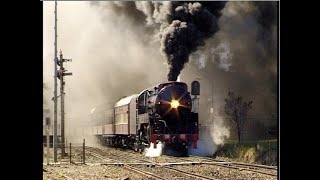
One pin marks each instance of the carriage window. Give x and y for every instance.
(142, 103)
(141, 100)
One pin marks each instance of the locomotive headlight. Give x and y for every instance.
(174, 103)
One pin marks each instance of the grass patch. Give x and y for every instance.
(262, 152)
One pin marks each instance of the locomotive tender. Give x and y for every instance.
(165, 113)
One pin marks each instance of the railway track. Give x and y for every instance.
(129, 166)
(148, 174)
(126, 166)
(238, 163)
(198, 176)
(239, 166)
(261, 169)
(128, 157)
(190, 174)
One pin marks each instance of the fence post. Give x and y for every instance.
(268, 145)
(70, 152)
(84, 157)
(48, 143)
(269, 153)
(48, 138)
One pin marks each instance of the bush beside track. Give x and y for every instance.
(261, 152)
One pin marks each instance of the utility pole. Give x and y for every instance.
(55, 138)
(61, 74)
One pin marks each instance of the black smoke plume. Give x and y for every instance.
(181, 26)
(190, 25)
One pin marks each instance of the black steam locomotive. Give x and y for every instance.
(165, 113)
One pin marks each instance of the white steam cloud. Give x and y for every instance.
(154, 152)
(211, 136)
(109, 60)
(219, 131)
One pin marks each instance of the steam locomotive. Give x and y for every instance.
(165, 113)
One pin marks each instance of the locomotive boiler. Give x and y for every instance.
(165, 113)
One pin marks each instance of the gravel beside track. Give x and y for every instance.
(111, 163)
